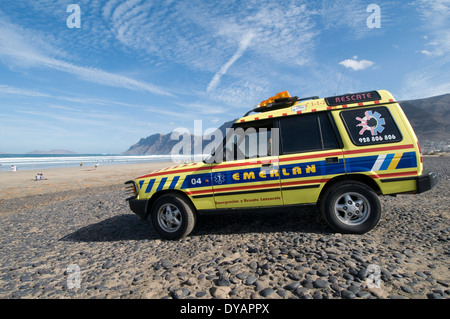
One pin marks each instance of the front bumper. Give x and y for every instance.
(426, 181)
(139, 207)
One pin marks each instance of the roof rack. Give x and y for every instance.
(279, 103)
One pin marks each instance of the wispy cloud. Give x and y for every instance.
(436, 23)
(243, 44)
(6, 89)
(240, 39)
(26, 49)
(428, 78)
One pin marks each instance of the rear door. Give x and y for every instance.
(378, 145)
(310, 156)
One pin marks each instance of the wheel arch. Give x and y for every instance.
(159, 194)
(361, 178)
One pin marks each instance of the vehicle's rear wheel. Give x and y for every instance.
(173, 216)
(351, 207)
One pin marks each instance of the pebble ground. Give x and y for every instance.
(88, 244)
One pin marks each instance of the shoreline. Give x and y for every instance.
(22, 183)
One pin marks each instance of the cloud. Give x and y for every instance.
(434, 15)
(6, 89)
(26, 49)
(356, 65)
(213, 37)
(244, 43)
(426, 52)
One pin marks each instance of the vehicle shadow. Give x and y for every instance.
(117, 228)
(265, 220)
(129, 227)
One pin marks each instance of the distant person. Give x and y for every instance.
(13, 168)
(96, 165)
(81, 164)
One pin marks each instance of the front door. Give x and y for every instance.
(249, 175)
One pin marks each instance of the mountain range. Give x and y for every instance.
(430, 118)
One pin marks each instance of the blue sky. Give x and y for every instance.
(138, 67)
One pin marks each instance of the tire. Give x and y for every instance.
(173, 216)
(351, 207)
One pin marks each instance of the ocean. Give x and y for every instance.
(43, 161)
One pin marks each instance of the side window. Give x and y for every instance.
(251, 140)
(305, 133)
(368, 126)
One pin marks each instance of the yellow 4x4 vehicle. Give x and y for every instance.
(338, 153)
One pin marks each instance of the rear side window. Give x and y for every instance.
(306, 133)
(368, 126)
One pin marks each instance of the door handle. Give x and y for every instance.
(267, 165)
(332, 160)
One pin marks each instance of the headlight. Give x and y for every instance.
(131, 190)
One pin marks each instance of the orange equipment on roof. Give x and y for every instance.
(280, 95)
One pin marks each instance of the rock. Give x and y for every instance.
(242, 275)
(397, 297)
(363, 294)
(362, 274)
(223, 281)
(200, 294)
(293, 285)
(307, 284)
(347, 294)
(107, 264)
(281, 292)
(320, 283)
(179, 293)
(322, 272)
(434, 296)
(377, 291)
(266, 292)
(250, 280)
(220, 292)
(407, 289)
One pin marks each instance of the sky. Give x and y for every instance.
(97, 76)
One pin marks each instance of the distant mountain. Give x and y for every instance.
(52, 152)
(430, 118)
(161, 144)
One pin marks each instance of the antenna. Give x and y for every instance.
(345, 67)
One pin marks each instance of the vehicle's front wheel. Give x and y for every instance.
(173, 216)
(351, 207)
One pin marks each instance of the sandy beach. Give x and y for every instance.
(23, 183)
(79, 218)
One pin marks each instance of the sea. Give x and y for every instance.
(43, 161)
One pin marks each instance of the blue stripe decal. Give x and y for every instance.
(174, 182)
(150, 186)
(141, 183)
(161, 184)
(387, 162)
(408, 160)
(360, 164)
